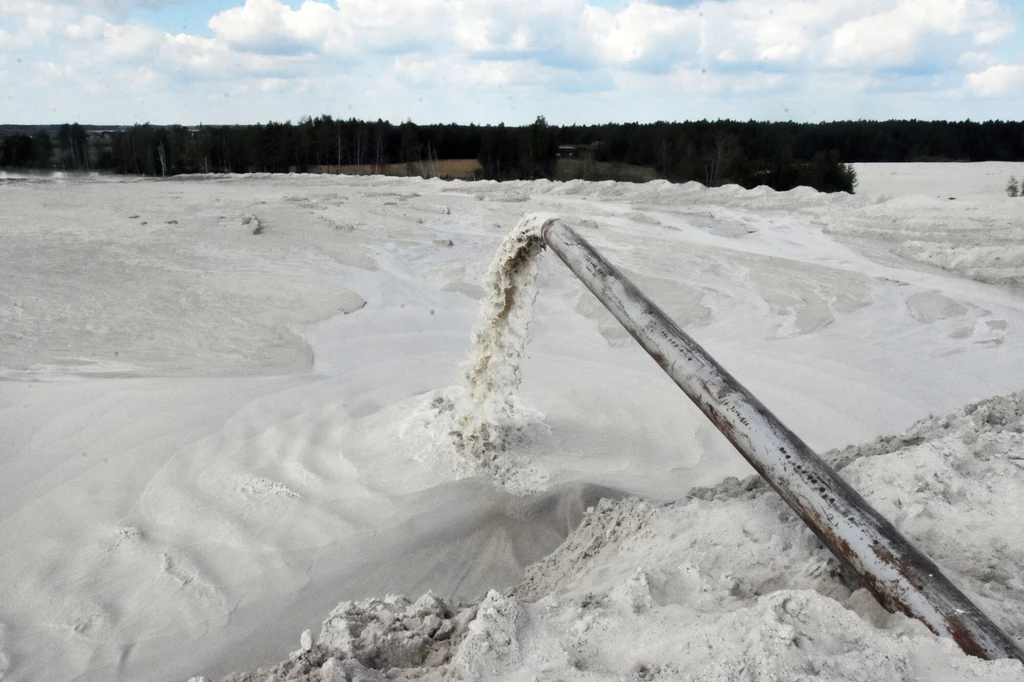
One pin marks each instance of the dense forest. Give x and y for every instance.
(781, 155)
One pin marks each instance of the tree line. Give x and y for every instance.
(64, 147)
(781, 155)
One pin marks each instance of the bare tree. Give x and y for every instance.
(162, 152)
(719, 158)
(357, 143)
(380, 144)
(587, 157)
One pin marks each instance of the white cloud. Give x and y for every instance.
(996, 80)
(273, 84)
(13, 42)
(89, 27)
(271, 26)
(501, 29)
(36, 23)
(425, 72)
(643, 33)
(128, 42)
(912, 28)
(353, 26)
(774, 32)
(106, 8)
(50, 70)
(701, 82)
(993, 34)
(975, 59)
(547, 50)
(95, 46)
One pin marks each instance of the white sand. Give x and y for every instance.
(942, 180)
(728, 585)
(193, 475)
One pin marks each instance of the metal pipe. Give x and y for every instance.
(901, 577)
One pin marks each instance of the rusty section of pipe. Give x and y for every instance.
(900, 576)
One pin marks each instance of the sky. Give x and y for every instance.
(491, 61)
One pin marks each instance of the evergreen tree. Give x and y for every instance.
(781, 155)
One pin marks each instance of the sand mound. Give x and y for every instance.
(727, 585)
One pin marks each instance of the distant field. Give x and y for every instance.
(448, 169)
(937, 179)
(580, 169)
(470, 169)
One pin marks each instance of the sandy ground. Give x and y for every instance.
(726, 585)
(210, 437)
(942, 180)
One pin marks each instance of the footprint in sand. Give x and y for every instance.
(184, 574)
(84, 617)
(127, 536)
(179, 577)
(261, 489)
(190, 590)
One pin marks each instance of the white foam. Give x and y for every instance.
(487, 417)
